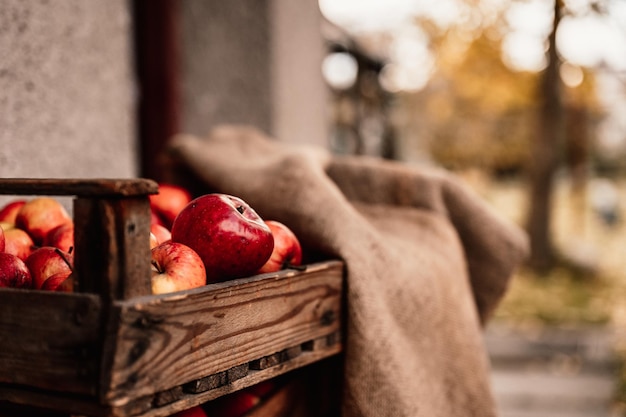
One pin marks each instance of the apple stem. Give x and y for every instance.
(62, 255)
(241, 209)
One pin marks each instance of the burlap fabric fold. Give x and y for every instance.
(427, 262)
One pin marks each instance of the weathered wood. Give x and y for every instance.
(168, 396)
(112, 256)
(50, 340)
(252, 378)
(16, 396)
(170, 340)
(206, 383)
(276, 358)
(145, 406)
(101, 187)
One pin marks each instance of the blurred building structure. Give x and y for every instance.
(360, 106)
(95, 89)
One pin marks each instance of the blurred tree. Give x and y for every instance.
(478, 112)
(475, 112)
(546, 149)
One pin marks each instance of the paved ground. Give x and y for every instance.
(553, 372)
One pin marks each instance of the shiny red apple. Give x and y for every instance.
(8, 212)
(61, 237)
(236, 404)
(287, 249)
(161, 232)
(40, 215)
(13, 272)
(60, 281)
(176, 267)
(153, 241)
(196, 411)
(2, 240)
(170, 200)
(230, 237)
(7, 225)
(47, 261)
(18, 243)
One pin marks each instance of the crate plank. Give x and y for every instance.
(78, 187)
(147, 406)
(164, 341)
(50, 340)
(112, 256)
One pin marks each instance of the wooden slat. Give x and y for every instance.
(164, 341)
(50, 340)
(187, 399)
(112, 256)
(97, 187)
(148, 406)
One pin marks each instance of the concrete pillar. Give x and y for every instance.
(254, 62)
(299, 92)
(67, 92)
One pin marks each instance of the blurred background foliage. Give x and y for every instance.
(544, 141)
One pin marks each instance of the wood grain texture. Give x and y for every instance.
(78, 187)
(188, 399)
(112, 256)
(148, 406)
(164, 341)
(50, 340)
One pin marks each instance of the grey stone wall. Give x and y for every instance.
(299, 93)
(67, 93)
(256, 62)
(225, 65)
(68, 88)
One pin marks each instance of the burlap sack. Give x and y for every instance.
(427, 262)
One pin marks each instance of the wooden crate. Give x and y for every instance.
(113, 349)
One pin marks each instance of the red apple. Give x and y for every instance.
(13, 272)
(40, 215)
(170, 200)
(2, 240)
(176, 267)
(8, 212)
(236, 404)
(196, 411)
(161, 232)
(263, 388)
(230, 237)
(61, 237)
(153, 241)
(287, 249)
(47, 261)
(61, 282)
(18, 243)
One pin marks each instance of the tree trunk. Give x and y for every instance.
(545, 157)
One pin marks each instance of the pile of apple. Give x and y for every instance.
(36, 244)
(212, 238)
